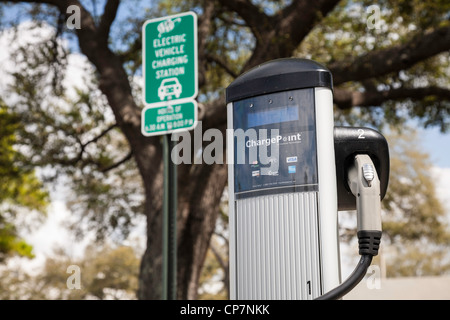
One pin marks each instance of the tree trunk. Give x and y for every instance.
(150, 165)
(200, 187)
(193, 242)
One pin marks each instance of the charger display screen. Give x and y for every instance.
(275, 115)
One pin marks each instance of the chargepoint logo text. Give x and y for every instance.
(264, 142)
(277, 139)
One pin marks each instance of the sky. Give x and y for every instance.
(437, 145)
(51, 233)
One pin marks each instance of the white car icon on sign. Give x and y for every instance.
(169, 87)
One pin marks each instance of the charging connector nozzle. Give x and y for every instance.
(365, 186)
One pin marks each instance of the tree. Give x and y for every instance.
(20, 189)
(214, 282)
(416, 231)
(391, 74)
(104, 272)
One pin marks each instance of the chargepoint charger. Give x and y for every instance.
(290, 171)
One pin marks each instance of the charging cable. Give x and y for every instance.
(365, 186)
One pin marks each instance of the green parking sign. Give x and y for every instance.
(170, 58)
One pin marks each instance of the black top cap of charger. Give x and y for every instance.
(279, 75)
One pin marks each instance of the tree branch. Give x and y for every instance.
(118, 163)
(222, 63)
(113, 78)
(103, 133)
(250, 13)
(346, 99)
(219, 258)
(113, 82)
(108, 17)
(204, 31)
(128, 55)
(393, 59)
(300, 17)
(60, 4)
(294, 23)
(279, 35)
(79, 157)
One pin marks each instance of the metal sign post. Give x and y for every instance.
(169, 223)
(169, 58)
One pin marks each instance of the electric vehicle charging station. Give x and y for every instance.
(286, 183)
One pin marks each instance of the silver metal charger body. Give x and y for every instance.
(282, 182)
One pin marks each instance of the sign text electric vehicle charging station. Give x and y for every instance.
(284, 181)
